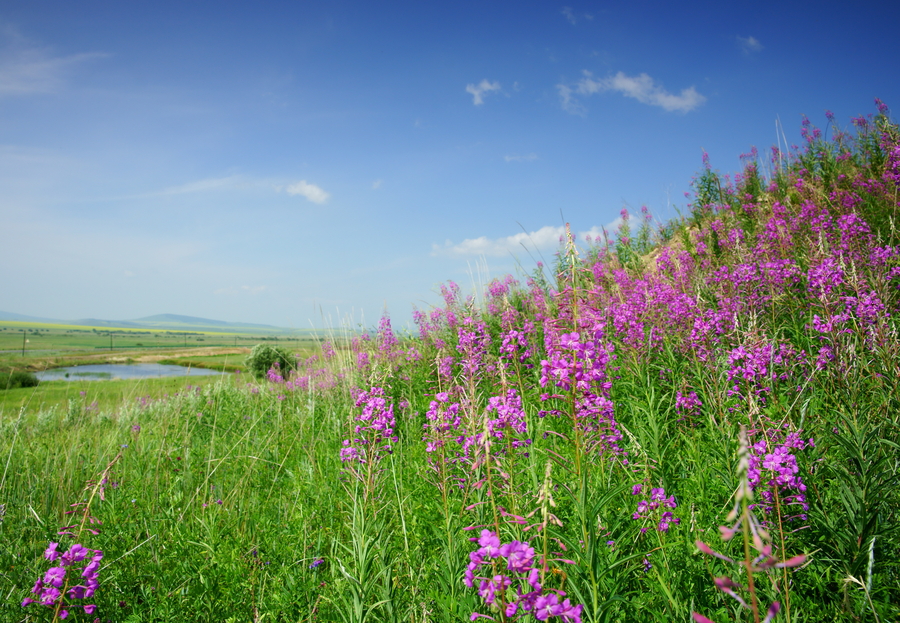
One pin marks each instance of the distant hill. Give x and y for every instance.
(23, 318)
(94, 322)
(194, 321)
(171, 322)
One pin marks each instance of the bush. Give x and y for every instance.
(17, 379)
(264, 357)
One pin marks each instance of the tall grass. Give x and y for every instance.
(556, 451)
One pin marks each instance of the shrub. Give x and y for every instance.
(17, 379)
(264, 357)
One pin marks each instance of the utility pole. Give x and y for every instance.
(23, 342)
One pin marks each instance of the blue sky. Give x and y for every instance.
(304, 163)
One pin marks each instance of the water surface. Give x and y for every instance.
(109, 371)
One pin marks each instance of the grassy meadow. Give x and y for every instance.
(697, 421)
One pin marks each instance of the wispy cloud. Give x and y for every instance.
(236, 183)
(197, 186)
(310, 191)
(520, 158)
(376, 184)
(641, 87)
(213, 183)
(749, 45)
(26, 68)
(483, 88)
(570, 16)
(545, 238)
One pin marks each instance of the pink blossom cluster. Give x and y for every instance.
(773, 467)
(508, 581)
(51, 587)
(652, 508)
(443, 421)
(374, 428)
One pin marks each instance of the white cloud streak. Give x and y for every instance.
(749, 45)
(641, 87)
(27, 69)
(569, 14)
(544, 239)
(201, 185)
(310, 191)
(480, 90)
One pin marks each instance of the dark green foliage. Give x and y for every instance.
(17, 379)
(264, 357)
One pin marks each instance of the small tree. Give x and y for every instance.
(264, 357)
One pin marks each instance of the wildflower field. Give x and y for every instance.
(697, 421)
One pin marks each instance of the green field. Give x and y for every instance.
(100, 396)
(39, 341)
(53, 346)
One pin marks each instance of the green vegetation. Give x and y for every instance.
(264, 357)
(17, 379)
(107, 396)
(671, 423)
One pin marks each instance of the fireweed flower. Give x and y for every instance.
(687, 405)
(509, 423)
(653, 509)
(53, 588)
(444, 436)
(507, 577)
(756, 369)
(579, 366)
(772, 467)
(756, 537)
(474, 339)
(374, 428)
(273, 375)
(443, 422)
(387, 342)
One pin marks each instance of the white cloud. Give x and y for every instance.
(641, 87)
(545, 238)
(568, 101)
(214, 183)
(376, 184)
(569, 15)
(522, 158)
(26, 68)
(749, 44)
(480, 90)
(310, 191)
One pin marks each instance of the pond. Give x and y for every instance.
(110, 371)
